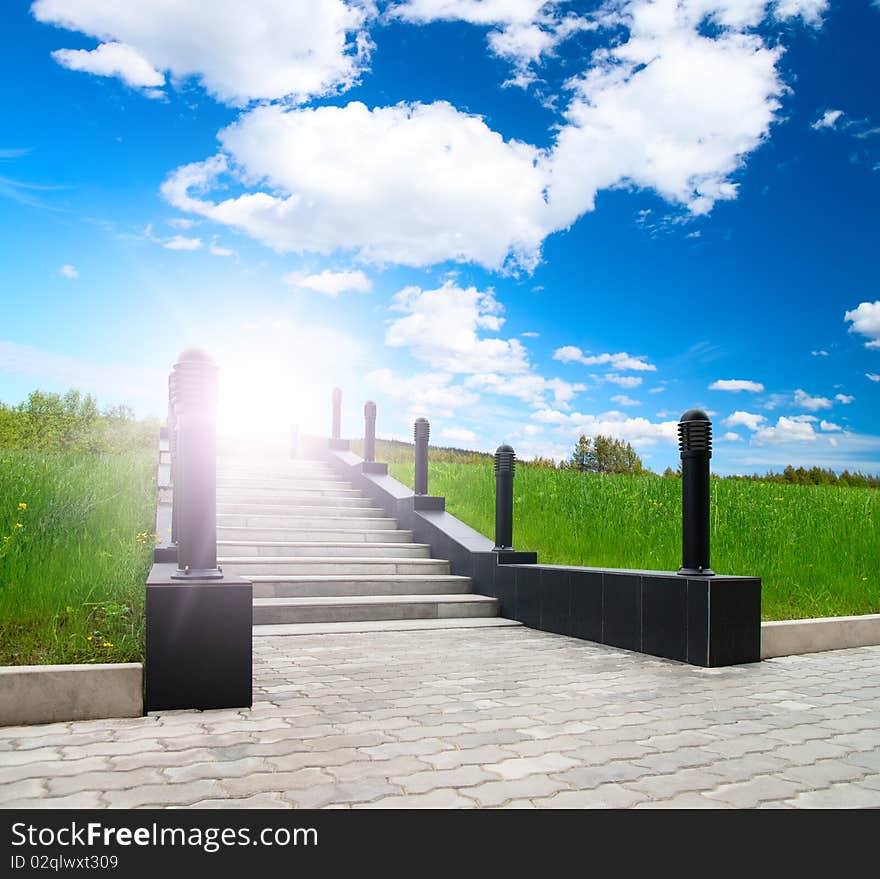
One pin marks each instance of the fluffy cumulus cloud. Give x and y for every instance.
(865, 320)
(827, 120)
(746, 419)
(638, 431)
(69, 271)
(666, 103)
(426, 392)
(182, 242)
(414, 184)
(846, 399)
(786, 430)
(330, 283)
(263, 49)
(807, 401)
(458, 434)
(530, 388)
(623, 400)
(621, 361)
(872, 376)
(829, 426)
(522, 32)
(112, 59)
(735, 385)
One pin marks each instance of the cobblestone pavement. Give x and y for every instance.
(479, 718)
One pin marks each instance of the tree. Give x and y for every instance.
(603, 454)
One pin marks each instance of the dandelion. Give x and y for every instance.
(19, 525)
(22, 506)
(89, 638)
(106, 644)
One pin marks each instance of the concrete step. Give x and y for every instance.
(339, 565)
(269, 586)
(278, 611)
(272, 485)
(366, 626)
(315, 533)
(369, 520)
(319, 496)
(313, 548)
(298, 510)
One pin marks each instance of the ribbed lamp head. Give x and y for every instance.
(421, 429)
(695, 432)
(193, 382)
(370, 409)
(505, 459)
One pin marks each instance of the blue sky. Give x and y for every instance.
(524, 220)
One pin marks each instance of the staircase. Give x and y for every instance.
(322, 558)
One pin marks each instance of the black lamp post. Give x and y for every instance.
(194, 392)
(369, 431)
(505, 465)
(695, 444)
(421, 433)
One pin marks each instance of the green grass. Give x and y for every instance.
(72, 575)
(816, 548)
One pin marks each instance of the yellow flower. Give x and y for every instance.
(106, 644)
(89, 638)
(19, 525)
(22, 506)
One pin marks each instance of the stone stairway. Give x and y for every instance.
(323, 558)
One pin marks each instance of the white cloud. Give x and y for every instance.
(331, 283)
(414, 184)
(181, 222)
(216, 250)
(658, 390)
(68, 271)
(746, 419)
(441, 328)
(829, 426)
(865, 320)
(814, 404)
(426, 393)
(458, 434)
(623, 400)
(530, 388)
(735, 385)
(732, 437)
(623, 381)
(523, 31)
(112, 59)
(786, 430)
(181, 242)
(533, 430)
(846, 399)
(530, 335)
(872, 376)
(263, 49)
(827, 120)
(820, 353)
(620, 361)
(639, 431)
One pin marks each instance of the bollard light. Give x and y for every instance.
(172, 453)
(369, 431)
(337, 414)
(695, 444)
(505, 465)
(194, 400)
(421, 433)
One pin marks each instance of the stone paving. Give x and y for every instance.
(479, 718)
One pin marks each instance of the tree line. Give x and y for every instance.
(72, 422)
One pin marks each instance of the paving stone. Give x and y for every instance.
(661, 787)
(748, 794)
(846, 796)
(468, 756)
(824, 773)
(672, 761)
(606, 796)
(519, 767)
(495, 793)
(27, 788)
(441, 798)
(321, 795)
(461, 776)
(102, 781)
(588, 777)
(356, 770)
(213, 769)
(163, 794)
(258, 801)
(282, 782)
(402, 749)
(809, 752)
(83, 800)
(688, 800)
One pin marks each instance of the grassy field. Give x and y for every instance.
(75, 548)
(817, 549)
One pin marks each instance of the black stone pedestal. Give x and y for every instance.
(199, 642)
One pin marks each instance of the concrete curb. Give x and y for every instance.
(794, 637)
(32, 694)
